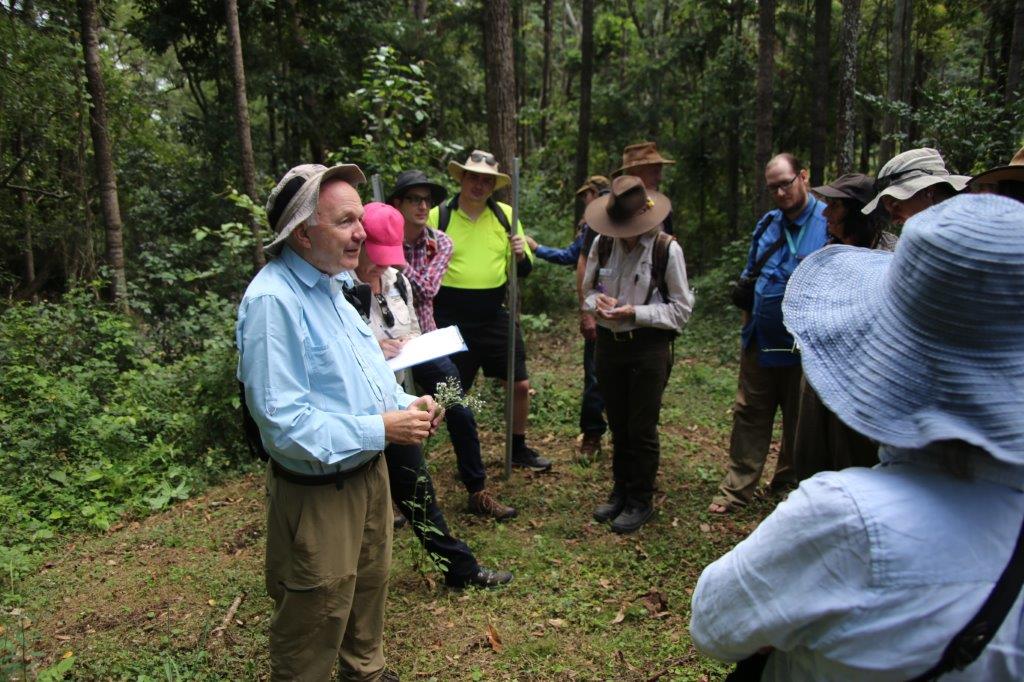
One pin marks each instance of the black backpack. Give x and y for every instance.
(445, 208)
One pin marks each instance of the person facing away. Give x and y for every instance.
(867, 574)
(326, 404)
(392, 318)
(473, 290)
(769, 377)
(426, 254)
(638, 291)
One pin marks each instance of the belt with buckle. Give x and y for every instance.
(337, 478)
(639, 334)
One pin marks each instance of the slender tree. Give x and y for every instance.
(765, 96)
(242, 125)
(732, 163)
(586, 78)
(89, 19)
(846, 115)
(820, 89)
(896, 88)
(500, 80)
(1016, 62)
(545, 80)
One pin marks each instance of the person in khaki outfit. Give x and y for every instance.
(326, 404)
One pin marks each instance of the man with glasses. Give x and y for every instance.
(427, 253)
(472, 293)
(770, 371)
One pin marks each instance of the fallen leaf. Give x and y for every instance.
(620, 616)
(675, 521)
(605, 583)
(705, 528)
(68, 654)
(556, 622)
(493, 638)
(654, 601)
(211, 602)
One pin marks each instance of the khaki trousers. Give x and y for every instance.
(328, 555)
(823, 442)
(762, 391)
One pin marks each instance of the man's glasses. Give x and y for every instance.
(477, 157)
(416, 199)
(385, 311)
(784, 186)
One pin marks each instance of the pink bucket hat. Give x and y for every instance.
(385, 232)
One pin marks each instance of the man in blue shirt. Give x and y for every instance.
(769, 364)
(326, 404)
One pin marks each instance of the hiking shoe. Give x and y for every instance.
(484, 577)
(632, 517)
(527, 458)
(590, 446)
(483, 503)
(610, 509)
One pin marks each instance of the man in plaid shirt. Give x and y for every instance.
(427, 252)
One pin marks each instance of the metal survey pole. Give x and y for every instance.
(378, 190)
(513, 314)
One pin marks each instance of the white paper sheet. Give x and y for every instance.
(427, 347)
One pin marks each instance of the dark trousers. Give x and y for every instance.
(460, 421)
(413, 492)
(632, 376)
(823, 442)
(592, 404)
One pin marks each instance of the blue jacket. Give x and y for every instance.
(808, 233)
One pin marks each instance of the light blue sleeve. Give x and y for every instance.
(277, 390)
(793, 582)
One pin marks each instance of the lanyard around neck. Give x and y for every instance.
(793, 246)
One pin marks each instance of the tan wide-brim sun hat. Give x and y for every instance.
(906, 174)
(628, 210)
(641, 154)
(481, 163)
(595, 184)
(1013, 171)
(295, 197)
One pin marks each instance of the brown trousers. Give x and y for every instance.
(823, 443)
(328, 556)
(762, 391)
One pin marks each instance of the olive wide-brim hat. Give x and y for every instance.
(628, 210)
(295, 197)
(481, 163)
(925, 344)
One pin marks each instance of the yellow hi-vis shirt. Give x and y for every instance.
(480, 248)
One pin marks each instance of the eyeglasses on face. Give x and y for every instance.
(784, 186)
(416, 199)
(385, 311)
(477, 157)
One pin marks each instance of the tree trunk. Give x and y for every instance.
(899, 50)
(519, 61)
(765, 96)
(102, 150)
(308, 99)
(1015, 66)
(846, 115)
(819, 111)
(500, 80)
(586, 79)
(545, 79)
(242, 126)
(419, 9)
(24, 216)
(732, 162)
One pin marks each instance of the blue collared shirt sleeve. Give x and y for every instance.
(567, 256)
(280, 396)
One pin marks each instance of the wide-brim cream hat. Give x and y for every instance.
(481, 163)
(295, 197)
(628, 210)
(906, 174)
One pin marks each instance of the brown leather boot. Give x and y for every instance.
(484, 503)
(590, 445)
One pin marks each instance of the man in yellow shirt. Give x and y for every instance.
(472, 293)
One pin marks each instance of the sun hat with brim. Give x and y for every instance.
(296, 196)
(595, 184)
(925, 344)
(856, 186)
(906, 174)
(628, 210)
(481, 163)
(1013, 171)
(641, 154)
(416, 178)
(385, 231)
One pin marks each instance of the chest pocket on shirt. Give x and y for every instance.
(399, 309)
(324, 368)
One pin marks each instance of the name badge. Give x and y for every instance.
(606, 272)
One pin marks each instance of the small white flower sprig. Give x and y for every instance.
(449, 394)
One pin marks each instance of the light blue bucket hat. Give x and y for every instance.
(927, 343)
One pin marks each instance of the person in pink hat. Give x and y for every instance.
(392, 318)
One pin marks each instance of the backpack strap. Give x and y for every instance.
(444, 212)
(402, 286)
(604, 252)
(500, 215)
(659, 266)
(250, 429)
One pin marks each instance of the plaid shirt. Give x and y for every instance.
(428, 258)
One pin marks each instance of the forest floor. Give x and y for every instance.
(148, 600)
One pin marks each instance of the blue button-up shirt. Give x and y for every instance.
(315, 378)
(765, 328)
(567, 256)
(866, 574)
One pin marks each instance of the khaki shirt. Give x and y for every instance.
(627, 276)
